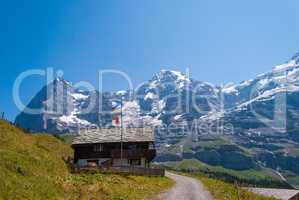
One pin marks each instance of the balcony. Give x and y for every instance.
(134, 154)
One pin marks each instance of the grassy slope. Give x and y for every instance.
(116, 187)
(244, 174)
(66, 138)
(260, 178)
(33, 167)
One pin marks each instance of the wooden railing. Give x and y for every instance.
(131, 154)
(139, 170)
(132, 170)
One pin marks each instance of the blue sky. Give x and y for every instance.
(219, 41)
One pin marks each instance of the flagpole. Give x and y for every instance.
(121, 131)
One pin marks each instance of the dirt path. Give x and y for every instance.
(186, 188)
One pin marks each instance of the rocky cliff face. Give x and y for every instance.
(168, 97)
(62, 109)
(262, 116)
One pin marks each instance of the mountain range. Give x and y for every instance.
(250, 125)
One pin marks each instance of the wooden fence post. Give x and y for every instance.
(237, 188)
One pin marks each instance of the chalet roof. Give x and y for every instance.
(277, 193)
(110, 135)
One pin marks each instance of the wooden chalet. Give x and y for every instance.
(109, 148)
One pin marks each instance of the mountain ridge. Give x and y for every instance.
(257, 118)
(150, 96)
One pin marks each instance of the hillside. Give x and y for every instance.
(250, 177)
(226, 159)
(33, 167)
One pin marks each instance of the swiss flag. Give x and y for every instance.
(116, 120)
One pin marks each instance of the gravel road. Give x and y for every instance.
(186, 188)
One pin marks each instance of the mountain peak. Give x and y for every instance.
(60, 79)
(296, 57)
(169, 75)
(290, 64)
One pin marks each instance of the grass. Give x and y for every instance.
(33, 167)
(66, 138)
(216, 143)
(262, 177)
(254, 174)
(187, 145)
(294, 152)
(116, 187)
(292, 178)
(225, 191)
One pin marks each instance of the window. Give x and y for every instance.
(92, 163)
(98, 148)
(151, 146)
(133, 147)
(135, 162)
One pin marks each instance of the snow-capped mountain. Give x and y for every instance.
(169, 96)
(258, 117)
(172, 96)
(281, 78)
(62, 108)
(262, 98)
(262, 116)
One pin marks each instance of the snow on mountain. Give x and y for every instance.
(172, 77)
(247, 106)
(79, 96)
(170, 93)
(261, 115)
(63, 109)
(284, 77)
(170, 96)
(131, 112)
(121, 92)
(229, 88)
(177, 117)
(285, 66)
(162, 99)
(150, 95)
(132, 116)
(71, 119)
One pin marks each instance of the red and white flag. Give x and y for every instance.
(116, 120)
(116, 113)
